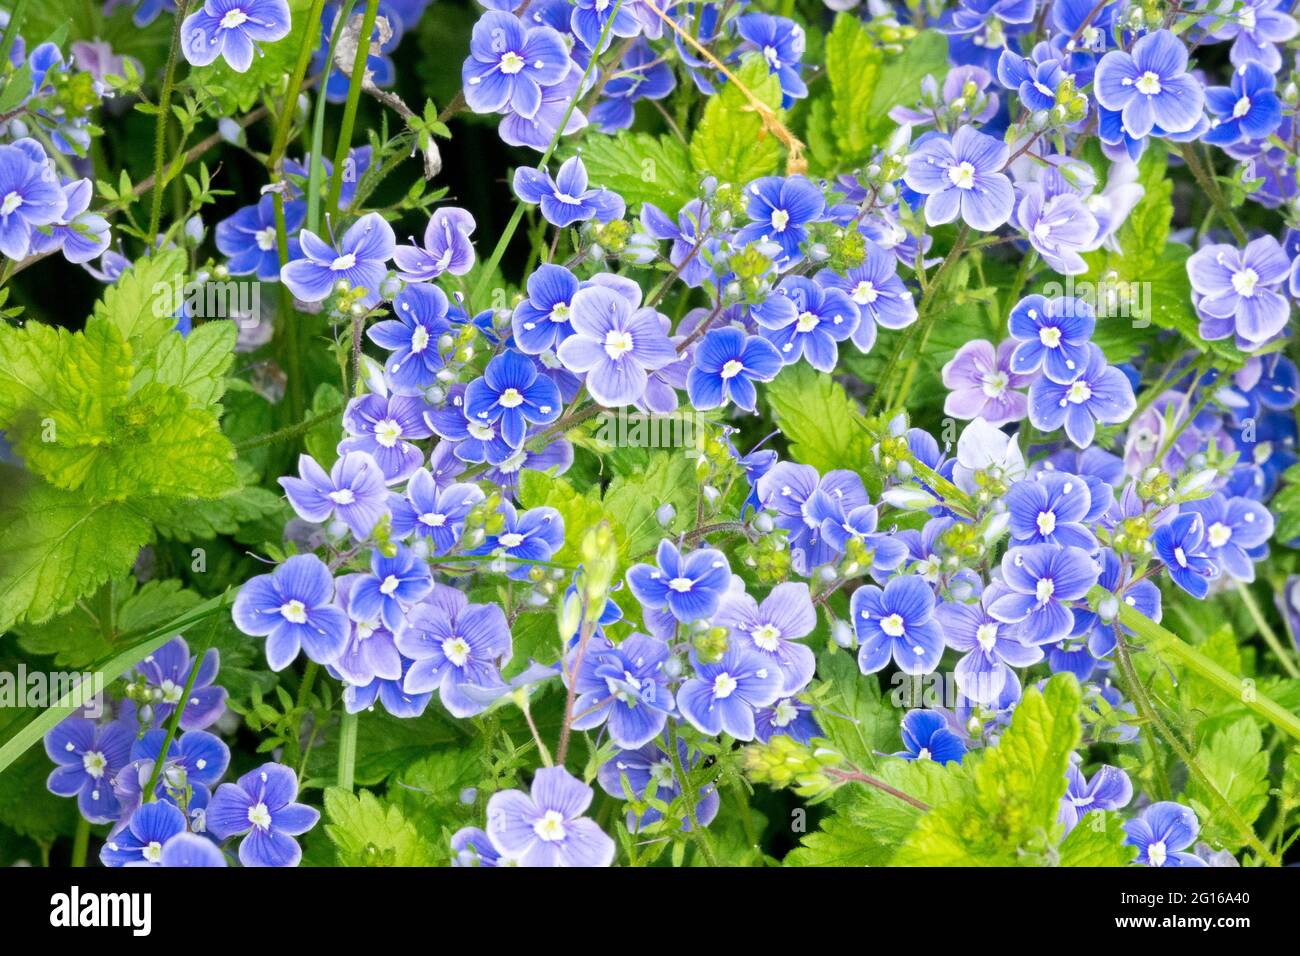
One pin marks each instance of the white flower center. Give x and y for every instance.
(419, 339)
(295, 612)
(389, 585)
(153, 852)
(892, 625)
(259, 816)
(560, 313)
(511, 539)
(780, 219)
(456, 650)
(806, 322)
(962, 175)
(865, 293)
(993, 384)
(1050, 336)
(1148, 83)
(1156, 853)
(343, 496)
(94, 763)
(433, 519)
(1219, 534)
(1241, 107)
(732, 368)
(784, 713)
(388, 432)
(1181, 557)
(1046, 522)
(987, 635)
(550, 827)
(766, 636)
(617, 344)
(1245, 281)
(265, 238)
(681, 585)
(11, 202)
(1080, 392)
(1043, 590)
(345, 261)
(233, 18)
(511, 63)
(511, 398)
(724, 685)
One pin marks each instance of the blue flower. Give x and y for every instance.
(248, 238)
(413, 336)
(232, 29)
(787, 717)
(616, 344)
(688, 585)
(80, 234)
(433, 513)
(642, 75)
(164, 674)
(1036, 83)
(188, 850)
(1051, 510)
(30, 196)
(649, 774)
(781, 42)
(897, 622)
(455, 646)
(140, 842)
(1235, 531)
(1053, 334)
(1256, 27)
(261, 805)
(773, 628)
(1162, 833)
(927, 736)
(1116, 577)
(589, 18)
(962, 176)
(541, 321)
(1249, 109)
(88, 758)
(471, 846)
(724, 694)
(727, 363)
(1101, 393)
(292, 607)
(811, 325)
(510, 64)
(533, 535)
(624, 686)
(781, 208)
(354, 492)
(1043, 579)
(546, 827)
(371, 651)
(884, 551)
(566, 199)
(690, 251)
(382, 427)
(1150, 86)
(393, 585)
(1109, 789)
(512, 395)
(447, 248)
(1181, 545)
(194, 759)
(389, 692)
(875, 288)
(989, 647)
(804, 502)
(360, 260)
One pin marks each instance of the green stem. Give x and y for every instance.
(292, 431)
(310, 40)
(12, 30)
(1205, 179)
(698, 832)
(1267, 632)
(150, 793)
(316, 164)
(164, 111)
(350, 107)
(80, 842)
(347, 750)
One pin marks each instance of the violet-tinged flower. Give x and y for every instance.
(1051, 510)
(989, 647)
(382, 426)
(532, 535)
(1161, 833)
(1101, 394)
(981, 447)
(589, 18)
(1043, 579)
(196, 758)
(354, 492)
(786, 717)
(566, 199)
(232, 29)
(1238, 291)
(512, 395)
(248, 239)
(1057, 222)
(360, 260)
(471, 846)
(724, 694)
(536, 131)
(165, 673)
(447, 248)
(1150, 86)
(546, 827)
(804, 501)
(820, 318)
(434, 514)
(1108, 789)
(927, 736)
(393, 585)
(773, 628)
(371, 650)
(88, 758)
(689, 248)
(962, 176)
(541, 321)
(1052, 334)
(727, 364)
(1256, 27)
(982, 385)
(624, 686)
(884, 551)
(388, 692)
(649, 774)
(140, 842)
(292, 607)
(455, 645)
(616, 344)
(782, 208)
(1181, 545)
(80, 234)
(510, 64)
(261, 805)
(420, 320)
(1116, 577)
(1249, 109)
(781, 42)
(30, 196)
(1235, 529)
(643, 74)
(689, 585)
(897, 622)
(880, 295)
(189, 850)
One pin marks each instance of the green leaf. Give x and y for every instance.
(1236, 763)
(854, 715)
(731, 142)
(820, 421)
(1097, 840)
(196, 364)
(368, 832)
(203, 520)
(1010, 819)
(137, 304)
(641, 168)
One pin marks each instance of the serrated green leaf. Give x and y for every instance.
(196, 364)
(821, 422)
(1236, 763)
(369, 832)
(731, 142)
(641, 168)
(1097, 840)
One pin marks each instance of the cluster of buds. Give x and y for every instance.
(769, 555)
(1132, 537)
(784, 762)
